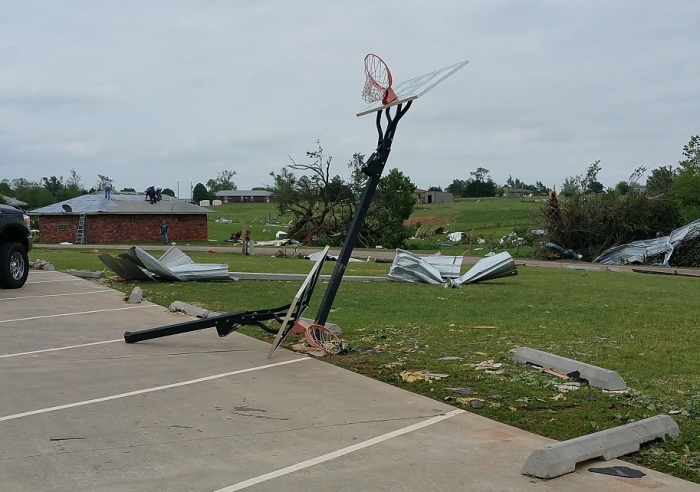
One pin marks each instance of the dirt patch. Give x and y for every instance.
(425, 220)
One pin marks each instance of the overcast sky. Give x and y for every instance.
(172, 92)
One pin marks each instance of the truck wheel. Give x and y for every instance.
(14, 266)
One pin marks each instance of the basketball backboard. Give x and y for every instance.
(414, 88)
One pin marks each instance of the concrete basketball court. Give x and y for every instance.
(82, 410)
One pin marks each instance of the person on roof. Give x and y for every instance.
(151, 194)
(107, 186)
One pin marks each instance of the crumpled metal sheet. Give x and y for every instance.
(176, 265)
(125, 267)
(449, 266)
(639, 251)
(489, 268)
(408, 267)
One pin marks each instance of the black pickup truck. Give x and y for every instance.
(15, 243)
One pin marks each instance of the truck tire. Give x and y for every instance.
(14, 266)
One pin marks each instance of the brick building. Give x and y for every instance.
(127, 218)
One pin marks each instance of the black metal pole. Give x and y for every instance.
(373, 169)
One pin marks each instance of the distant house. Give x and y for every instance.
(423, 196)
(127, 218)
(517, 192)
(235, 196)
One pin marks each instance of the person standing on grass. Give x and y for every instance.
(164, 232)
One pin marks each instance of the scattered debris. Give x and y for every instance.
(450, 357)
(619, 471)
(420, 376)
(674, 273)
(550, 372)
(174, 265)
(570, 253)
(279, 242)
(488, 366)
(491, 268)
(473, 402)
(570, 386)
(462, 390)
(408, 267)
(641, 251)
(42, 265)
(474, 326)
(477, 404)
(304, 348)
(86, 273)
(316, 255)
(437, 375)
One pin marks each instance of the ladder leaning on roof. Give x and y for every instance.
(80, 236)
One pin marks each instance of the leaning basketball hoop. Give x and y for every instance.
(378, 84)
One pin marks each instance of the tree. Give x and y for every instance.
(661, 180)
(541, 188)
(223, 181)
(168, 191)
(320, 204)
(199, 193)
(458, 187)
(686, 185)
(393, 204)
(480, 184)
(623, 187)
(584, 184)
(435, 188)
(323, 206)
(125, 190)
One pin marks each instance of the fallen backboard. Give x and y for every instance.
(299, 303)
(414, 88)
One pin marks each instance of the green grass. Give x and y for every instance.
(486, 218)
(642, 326)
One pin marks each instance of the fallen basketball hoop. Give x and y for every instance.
(225, 324)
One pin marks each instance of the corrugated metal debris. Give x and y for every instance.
(408, 267)
(173, 265)
(640, 251)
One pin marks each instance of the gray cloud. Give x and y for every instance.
(175, 91)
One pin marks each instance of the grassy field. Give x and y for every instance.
(484, 221)
(638, 325)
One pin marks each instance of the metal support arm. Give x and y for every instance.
(373, 169)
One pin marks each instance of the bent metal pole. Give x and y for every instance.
(373, 169)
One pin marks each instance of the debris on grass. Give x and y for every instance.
(462, 390)
(487, 365)
(475, 403)
(570, 386)
(420, 376)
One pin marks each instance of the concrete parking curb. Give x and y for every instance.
(596, 376)
(561, 458)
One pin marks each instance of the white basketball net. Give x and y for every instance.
(378, 79)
